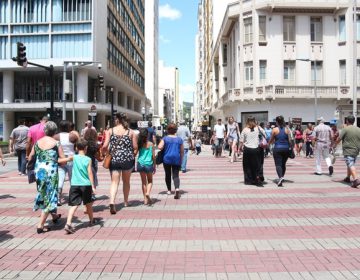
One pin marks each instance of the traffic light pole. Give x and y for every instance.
(51, 73)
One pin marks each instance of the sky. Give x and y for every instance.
(177, 31)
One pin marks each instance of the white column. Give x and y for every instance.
(132, 104)
(8, 125)
(125, 100)
(8, 86)
(82, 117)
(115, 93)
(101, 121)
(82, 86)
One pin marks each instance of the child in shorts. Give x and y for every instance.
(82, 185)
(146, 165)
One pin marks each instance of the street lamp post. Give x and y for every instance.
(73, 64)
(315, 85)
(143, 113)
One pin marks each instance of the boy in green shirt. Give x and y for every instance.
(82, 185)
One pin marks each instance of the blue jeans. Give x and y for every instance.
(62, 173)
(21, 154)
(184, 160)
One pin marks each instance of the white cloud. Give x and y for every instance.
(164, 40)
(186, 92)
(166, 11)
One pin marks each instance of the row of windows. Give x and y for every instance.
(135, 12)
(289, 72)
(116, 58)
(115, 27)
(289, 33)
(118, 4)
(20, 11)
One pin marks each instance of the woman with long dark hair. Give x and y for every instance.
(173, 153)
(121, 142)
(299, 139)
(281, 136)
(249, 143)
(146, 165)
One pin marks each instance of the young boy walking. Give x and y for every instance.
(82, 185)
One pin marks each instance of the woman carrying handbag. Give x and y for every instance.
(123, 149)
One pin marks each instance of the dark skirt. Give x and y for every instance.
(251, 166)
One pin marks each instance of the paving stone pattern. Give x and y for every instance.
(220, 229)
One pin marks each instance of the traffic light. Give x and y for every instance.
(21, 54)
(101, 81)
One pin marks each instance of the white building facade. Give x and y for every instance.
(70, 34)
(288, 58)
(152, 58)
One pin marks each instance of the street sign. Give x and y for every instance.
(142, 124)
(296, 121)
(93, 108)
(92, 114)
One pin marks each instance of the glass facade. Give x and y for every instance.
(32, 17)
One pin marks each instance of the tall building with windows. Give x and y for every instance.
(74, 36)
(292, 58)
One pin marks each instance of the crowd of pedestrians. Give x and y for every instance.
(259, 140)
(60, 151)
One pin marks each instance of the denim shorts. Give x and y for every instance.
(145, 168)
(350, 161)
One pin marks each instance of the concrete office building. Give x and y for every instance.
(70, 34)
(284, 57)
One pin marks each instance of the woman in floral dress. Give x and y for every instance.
(48, 153)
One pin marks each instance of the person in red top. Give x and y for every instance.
(35, 133)
(299, 140)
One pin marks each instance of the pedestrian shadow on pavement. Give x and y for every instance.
(5, 196)
(5, 236)
(173, 192)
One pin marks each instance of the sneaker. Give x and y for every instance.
(19, 173)
(95, 221)
(177, 194)
(69, 229)
(279, 183)
(169, 192)
(331, 170)
(316, 173)
(355, 183)
(347, 180)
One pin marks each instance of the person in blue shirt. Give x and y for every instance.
(82, 185)
(173, 147)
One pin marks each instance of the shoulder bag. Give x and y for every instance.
(108, 156)
(262, 140)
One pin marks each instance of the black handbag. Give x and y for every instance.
(30, 167)
(159, 157)
(291, 153)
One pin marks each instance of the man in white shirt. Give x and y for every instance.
(323, 143)
(220, 133)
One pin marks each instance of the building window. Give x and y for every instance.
(316, 29)
(248, 30)
(262, 68)
(318, 72)
(289, 72)
(342, 29)
(248, 67)
(289, 29)
(224, 53)
(342, 64)
(262, 28)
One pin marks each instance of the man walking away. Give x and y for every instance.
(350, 137)
(18, 141)
(220, 133)
(323, 143)
(151, 133)
(184, 133)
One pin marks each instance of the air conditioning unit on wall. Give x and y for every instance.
(19, 100)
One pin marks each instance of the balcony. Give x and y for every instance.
(271, 92)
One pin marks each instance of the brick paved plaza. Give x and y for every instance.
(219, 229)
